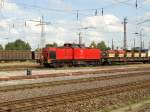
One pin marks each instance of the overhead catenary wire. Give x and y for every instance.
(94, 11)
(72, 11)
(77, 12)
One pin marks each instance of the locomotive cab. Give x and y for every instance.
(52, 54)
(49, 54)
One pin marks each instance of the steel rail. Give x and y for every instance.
(52, 100)
(72, 81)
(71, 73)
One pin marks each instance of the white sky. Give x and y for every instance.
(65, 27)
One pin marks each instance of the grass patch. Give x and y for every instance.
(131, 105)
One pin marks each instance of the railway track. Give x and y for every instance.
(53, 100)
(10, 67)
(73, 73)
(74, 81)
(19, 67)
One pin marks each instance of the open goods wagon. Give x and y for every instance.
(14, 55)
(36, 55)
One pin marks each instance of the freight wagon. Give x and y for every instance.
(14, 55)
(130, 56)
(36, 55)
(10, 55)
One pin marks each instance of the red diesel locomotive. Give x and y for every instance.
(70, 55)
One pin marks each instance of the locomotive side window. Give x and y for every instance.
(52, 55)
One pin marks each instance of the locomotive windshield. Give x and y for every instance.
(52, 54)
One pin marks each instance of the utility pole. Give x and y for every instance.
(112, 47)
(125, 33)
(96, 12)
(80, 38)
(140, 34)
(134, 43)
(141, 43)
(77, 15)
(102, 11)
(42, 23)
(136, 4)
(1, 4)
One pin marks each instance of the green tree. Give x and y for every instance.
(93, 45)
(136, 49)
(9, 46)
(1, 47)
(38, 49)
(52, 45)
(108, 48)
(55, 44)
(101, 45)
(18, 45)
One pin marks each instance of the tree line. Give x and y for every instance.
(100, 45)
(22, 45)
(16, 45)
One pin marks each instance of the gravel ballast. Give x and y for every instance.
(44, 91)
